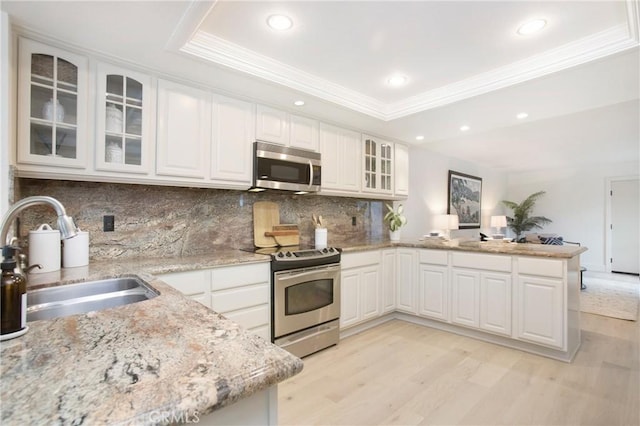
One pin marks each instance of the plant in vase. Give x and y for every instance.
(522, 220)
(395, 220)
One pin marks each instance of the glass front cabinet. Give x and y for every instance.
(52, 105)
(122, 120)
(378, 165)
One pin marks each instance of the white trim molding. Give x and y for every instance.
(214, 49)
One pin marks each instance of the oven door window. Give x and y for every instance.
(270, 169)
(308, 296)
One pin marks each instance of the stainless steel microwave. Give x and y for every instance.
(289, 169)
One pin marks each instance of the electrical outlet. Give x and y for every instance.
(353, 221)
(109, 223)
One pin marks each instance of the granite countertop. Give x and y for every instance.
(491, 247)
(128, 364)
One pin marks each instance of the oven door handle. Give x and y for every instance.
(310, 272)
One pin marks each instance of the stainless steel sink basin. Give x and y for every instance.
(71, 299)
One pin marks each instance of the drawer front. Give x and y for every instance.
(486, 262)
(189, 283)
(240, 298)
(364, 258)
(434, 257)
(235, 276)
(251, 318)
(542, 267)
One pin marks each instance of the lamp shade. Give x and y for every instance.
(446, 221)
(498, 221)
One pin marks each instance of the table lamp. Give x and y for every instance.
(446, 222)
(498, 222)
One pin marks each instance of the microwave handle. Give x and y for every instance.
(310, 174)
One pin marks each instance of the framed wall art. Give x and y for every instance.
(465, 195)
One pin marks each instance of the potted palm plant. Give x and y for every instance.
(395, 220)
(522, 219)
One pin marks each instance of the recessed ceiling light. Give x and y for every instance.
(419, 138)
(298, 103)
(532, 26)
(279, 22)
(397, 80)
(464, 128)
(522, 115)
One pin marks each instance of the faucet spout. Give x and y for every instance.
(65, 223)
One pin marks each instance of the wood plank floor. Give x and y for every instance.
(405, 374)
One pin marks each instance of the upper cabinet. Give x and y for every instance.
(378, 156)
(401, 169)
(276, 126)
(123, 125)
(52, 93)
(233, 133)
(341, 159)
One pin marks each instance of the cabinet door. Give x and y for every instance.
(377, 166)
(52, 106)
(304, 133)
(123, 120)
(341, 159)
(465, 297)
(370, 292)
(272, 125)
(349, 297)
(434, 292)
(388, 284)
(183, 130)
(401, 170)
(495, 303)
(406, 269)
(541, 310)
(233, 133)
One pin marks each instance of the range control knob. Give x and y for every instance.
(331, 250)
(325, 250)
(281, 254)
(288, 254)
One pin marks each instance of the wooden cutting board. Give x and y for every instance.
(286, 234)
(265, 216)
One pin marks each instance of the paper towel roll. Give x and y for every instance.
(44, 249)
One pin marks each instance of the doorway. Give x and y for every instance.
(623, 225)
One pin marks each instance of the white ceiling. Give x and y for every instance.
(465, 63)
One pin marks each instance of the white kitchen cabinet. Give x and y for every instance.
(341, 159)
(183, 131)
(360, 288)
(433, 284)
(401, 170)
(540, 306)
(304, 133)
(495, 302)
(123, 120)
(388, 280)
(241, 293)
(52, 106)
(194, 284)
(465, 297)
(233, 133)
(377, 157)
(406, 280)
(272, 125)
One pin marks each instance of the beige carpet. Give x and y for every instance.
(611, 295)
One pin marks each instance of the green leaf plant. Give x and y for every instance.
(395, 220)
(522, 221)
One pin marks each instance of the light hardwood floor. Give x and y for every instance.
(402, 373)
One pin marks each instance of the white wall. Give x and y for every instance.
(5, 35)
(428, 185)
(575, 200)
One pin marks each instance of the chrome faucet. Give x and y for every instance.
(65, 223)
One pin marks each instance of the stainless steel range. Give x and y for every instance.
(305, 294)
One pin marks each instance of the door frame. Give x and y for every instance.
(607, 217)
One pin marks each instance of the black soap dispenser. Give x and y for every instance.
(13, 297)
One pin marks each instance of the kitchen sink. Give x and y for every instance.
(71, 299)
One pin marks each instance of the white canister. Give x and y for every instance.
(321, 238)
(75, 251)
(114, 153)
(48, 110)
(44, 249)
(113, 119)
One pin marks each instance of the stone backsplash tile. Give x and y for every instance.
(160, 221)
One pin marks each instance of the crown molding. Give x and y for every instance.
(217, 50)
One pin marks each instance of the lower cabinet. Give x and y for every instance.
(388, 280)
(495, 303)
(433, 292)
(241, 293)
(406, 271)
(465, 297)
(360, 288)
(540, 307)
